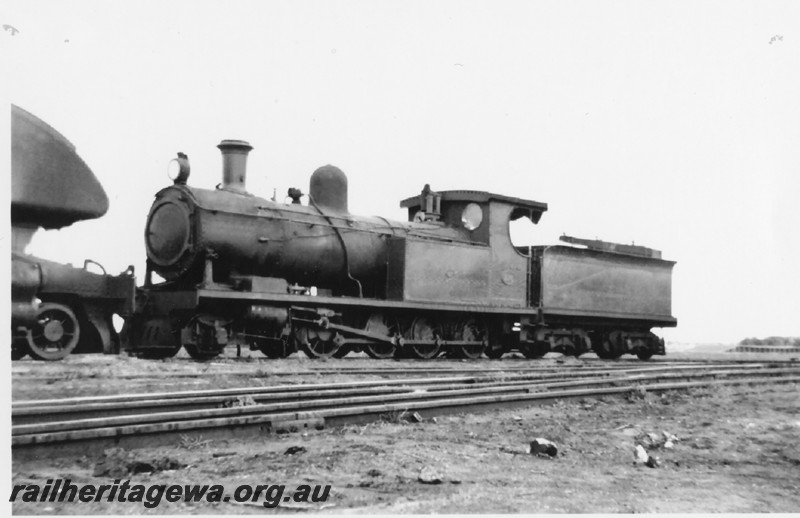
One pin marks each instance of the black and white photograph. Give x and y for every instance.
(402, 257)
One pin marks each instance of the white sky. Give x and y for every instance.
(672, 124)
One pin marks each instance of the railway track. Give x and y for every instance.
(406, 367)
(135, 420)
(85, 378)
(424, 368)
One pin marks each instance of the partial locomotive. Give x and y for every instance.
(277, 277)
(57, 309)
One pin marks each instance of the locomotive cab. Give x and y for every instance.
(486, 269)
(483, 215)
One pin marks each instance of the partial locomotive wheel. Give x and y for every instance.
(271, 342)
(423, 329)
(604, 354)
(205, 343)
(157, 340)
(379, 351)
(646, 347)
(380, 324)
(200, 355)
(584, 343)
(54, 334)
(317, 343)
(320, 349)
(534, 350)
(494, 351)
(342, 352)
(608, 346)
(470, 331)
(274, 348)
(19, 348)
(564, 345)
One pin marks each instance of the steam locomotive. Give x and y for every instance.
(57, 309)
(238, 269)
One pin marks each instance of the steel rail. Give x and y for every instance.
(554, 368)
(51, 404)
(457, 366)
(39, 415)
(411, 395)
(237, 416)
(74, 408)
(520, 365)
(36, 445)
(20, 408)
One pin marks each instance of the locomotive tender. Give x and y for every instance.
(57, 309)
(245, 270)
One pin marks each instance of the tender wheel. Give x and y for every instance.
(646, 346)
(423, 329)
(584, 343)
(471, 331)
(608, 347)
(604, 354)
(54, 334)
(317, 343)
(380, 324)
(565, 346)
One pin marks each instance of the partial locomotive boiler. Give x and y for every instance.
(57, 309)
(245, 270)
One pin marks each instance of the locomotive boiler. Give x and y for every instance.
(245, 270)
(57, 309)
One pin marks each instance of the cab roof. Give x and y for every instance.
(536, 207)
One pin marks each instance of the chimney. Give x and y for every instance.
(234, 164)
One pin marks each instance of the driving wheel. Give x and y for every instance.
(381, 325)
(424, 329)
(54, 334)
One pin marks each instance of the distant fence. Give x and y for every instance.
(788, 349)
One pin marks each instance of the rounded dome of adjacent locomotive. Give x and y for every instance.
(51, 185)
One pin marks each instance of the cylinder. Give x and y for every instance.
(234, 164)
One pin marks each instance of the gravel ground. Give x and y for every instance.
(736, 449)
